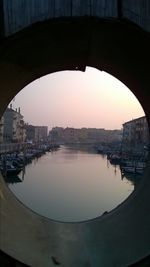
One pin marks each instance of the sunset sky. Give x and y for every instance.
(78, 99)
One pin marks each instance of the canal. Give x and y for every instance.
(71, 184)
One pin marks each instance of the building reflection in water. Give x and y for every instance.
(133, 178)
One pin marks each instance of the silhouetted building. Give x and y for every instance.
(36, 133)
(84, 135)
(135, 136)
(13, 126)
(41, 133)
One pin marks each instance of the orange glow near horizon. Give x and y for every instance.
(92, 99)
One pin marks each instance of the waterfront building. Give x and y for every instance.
(36, 133)
(30, 132)
(41, 133)
(56, 135)
(84, 135)
(13, 128)
(135, 136)
(19, 133)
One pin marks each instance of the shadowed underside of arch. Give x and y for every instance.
(121, 237)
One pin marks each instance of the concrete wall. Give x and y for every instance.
(19, 14)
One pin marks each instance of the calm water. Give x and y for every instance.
(71, 185)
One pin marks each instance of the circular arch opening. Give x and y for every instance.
(77, 147)
(108, 46)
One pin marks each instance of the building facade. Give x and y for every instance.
(84, 135)
(135, 136)
(41, 133)
(36, 133)
(13, 126)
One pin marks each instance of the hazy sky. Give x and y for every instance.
(78, 99)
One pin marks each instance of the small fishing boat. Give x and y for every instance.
(9, 169)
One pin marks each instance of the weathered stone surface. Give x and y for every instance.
(20, 14)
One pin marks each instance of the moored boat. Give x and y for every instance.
(9, 169)
(132, 169)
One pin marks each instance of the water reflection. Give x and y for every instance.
(133, 178)
(72, 184)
